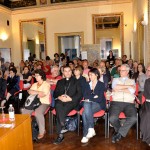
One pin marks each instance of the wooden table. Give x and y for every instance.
(19, 137)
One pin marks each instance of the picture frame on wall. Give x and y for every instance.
(43, 2)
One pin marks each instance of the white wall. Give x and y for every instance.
(71, 20)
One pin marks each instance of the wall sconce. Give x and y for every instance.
(3, 36)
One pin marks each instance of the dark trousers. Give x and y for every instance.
(87, 116)
(62, 110)
(130, 113)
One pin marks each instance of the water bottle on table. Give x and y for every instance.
(11, 112)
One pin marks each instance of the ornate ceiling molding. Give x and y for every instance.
(67, 6)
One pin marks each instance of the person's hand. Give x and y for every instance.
(65, 98)
(40, 94)
(132, 86)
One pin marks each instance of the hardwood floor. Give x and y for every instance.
(72, 141)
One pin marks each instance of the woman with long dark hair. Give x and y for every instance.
(111, 58)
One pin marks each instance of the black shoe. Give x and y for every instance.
(116, 137)
(58, 140)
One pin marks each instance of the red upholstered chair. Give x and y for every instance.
(53, 113)
(136, 89)
(99, 114)
(123, 116)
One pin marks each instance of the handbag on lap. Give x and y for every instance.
(32, 102)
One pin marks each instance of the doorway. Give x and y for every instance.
(69, 43)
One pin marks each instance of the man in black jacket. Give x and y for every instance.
(67, 96)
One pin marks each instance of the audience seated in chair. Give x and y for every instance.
(42, 89)
(27, 77)
(52, 80)
(122, 101)
(94, 102)
(12, 84)
(67, 96)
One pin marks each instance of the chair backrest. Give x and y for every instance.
(32, 80)
(21, 84)
(136, 89)
(143, 99)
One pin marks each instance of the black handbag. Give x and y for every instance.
(71, 123)
(32, 102)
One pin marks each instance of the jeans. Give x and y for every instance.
(130, 113)
(87, 116)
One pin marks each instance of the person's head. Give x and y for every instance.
(110, 53)
(25, 69)
(130, 62)
(102, 64)
(39, 65)
(62, 55)
(118, 69)
(67, 72)
(12, 72)
(78, 71)
(148, 71)
(40, 75)
(102, 70)
(34, 55)
(75, 61)
(55, 71)
(12, 64)
(135, 64)
(94, 74)
(47, 58)
(95, 64)
(85, 64)
(71, 64)
(124, 70)
(107, 64)
(56, 55)
(124, 57)
(117, 62)
(80, 62)
(141, 67)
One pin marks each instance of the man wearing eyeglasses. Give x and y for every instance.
(122, 101)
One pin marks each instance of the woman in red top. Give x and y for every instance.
(52, 79)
